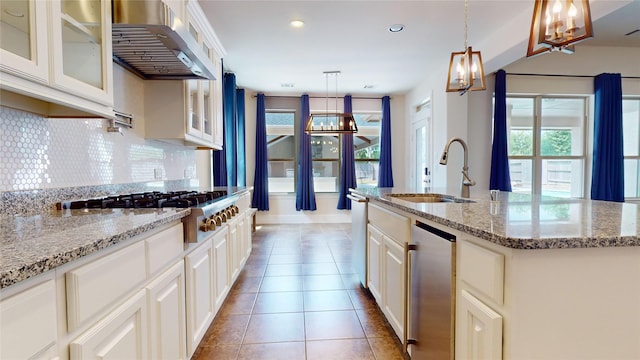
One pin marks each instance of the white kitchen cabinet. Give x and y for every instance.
(479, 330)
(374, 262)
(121, 335)
(393, 284)
(248, 232)
(217, 117)
(242, 238)
(98, 285)
(189, 112)
(555, 303)
(221, 257)
(167, 328)
(59, 52)
(235, 249)
(24, 47)
(174, 112)
(245, 222)
(387, 235)
(200, 299)
(28, 323)
(199, 111)
(81, 49)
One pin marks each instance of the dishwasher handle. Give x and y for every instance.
(357, 198)
(435, 231)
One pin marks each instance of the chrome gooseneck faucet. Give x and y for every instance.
(466, 181)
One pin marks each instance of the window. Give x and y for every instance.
(547, 145)
(631, 141)
(281, 151)
(367, 148)
(325, 153)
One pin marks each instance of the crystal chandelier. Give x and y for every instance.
(557, 25)
(466, 72)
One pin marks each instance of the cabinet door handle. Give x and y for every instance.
(356, 198)
(407, 294)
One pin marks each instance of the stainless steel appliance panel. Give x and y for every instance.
(359, 236)
(432, 293)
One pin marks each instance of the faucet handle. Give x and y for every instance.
(466, 180)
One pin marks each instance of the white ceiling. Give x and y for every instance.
(352, 36)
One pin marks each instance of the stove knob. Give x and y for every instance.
(208, 225)
(229, 213)
(211, 223)
(218, 219)
(223, 216)
(236, 209)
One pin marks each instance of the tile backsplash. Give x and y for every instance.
(44, 153)
(46, 160)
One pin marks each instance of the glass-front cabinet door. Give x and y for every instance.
(207, 102)
(194, 108)
(208, 91)
(82, 48)
(23, 39)
(218, 136)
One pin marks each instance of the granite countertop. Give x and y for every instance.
(523, 221)
(31, 245)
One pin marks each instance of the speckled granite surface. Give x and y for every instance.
(34, 238)
(527, 222)
(31, 245)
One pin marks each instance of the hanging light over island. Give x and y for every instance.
(559, 25)
(331, 122)
(466, 72)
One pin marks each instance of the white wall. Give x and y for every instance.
(449, 119)
(587, 60)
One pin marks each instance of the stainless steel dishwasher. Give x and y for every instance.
(431, 279)
(359, 236)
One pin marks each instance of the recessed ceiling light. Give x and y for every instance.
(396, 28)
(296, 23)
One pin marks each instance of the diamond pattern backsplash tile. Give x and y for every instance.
(43, 153)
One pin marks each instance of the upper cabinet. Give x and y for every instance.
(59, 51)
(189, 112)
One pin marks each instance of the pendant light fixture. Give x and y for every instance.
(331, 122)
(557, 25)
(466, 72)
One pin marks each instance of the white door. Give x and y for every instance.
(393, 285)
(374, 251)
(421, 147)
(121, 335)
(166, 296)
(199, 271)
(479, 330)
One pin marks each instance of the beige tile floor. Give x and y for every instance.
(298, 298)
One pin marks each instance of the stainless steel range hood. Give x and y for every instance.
(150, 41)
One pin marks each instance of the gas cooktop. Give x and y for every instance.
(153, 199)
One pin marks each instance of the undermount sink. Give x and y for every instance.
(428, 198)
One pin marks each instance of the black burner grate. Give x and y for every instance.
(154, 199)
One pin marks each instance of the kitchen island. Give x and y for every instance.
(535, 277)
(522, 221)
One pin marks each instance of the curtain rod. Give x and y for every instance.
(320, 97)
(564, 75)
